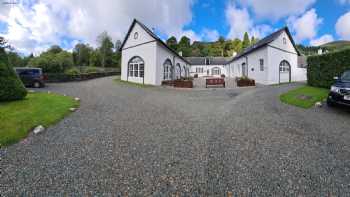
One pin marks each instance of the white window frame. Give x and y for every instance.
(284, 67)
(136, 68)
(167, 72)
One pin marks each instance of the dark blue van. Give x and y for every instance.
(340, 91)
(31, 77)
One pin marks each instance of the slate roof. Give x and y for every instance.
(213, 60)
(152, 35)
(265, 41)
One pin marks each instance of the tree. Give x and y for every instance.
(95, 58)
(55, 49)
(246, 41)
(117, 45)
(64, 59)
(185, 42)
(14, 60)
(185, 46)
(237, 45)
(53, 63)
(221, 40)
(105, 49)
(172, 43)
(254, 40)
(81, 54)
(11, 87)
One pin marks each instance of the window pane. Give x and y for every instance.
(142, 67)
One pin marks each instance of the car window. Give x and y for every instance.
(35, 71)
(346, 76)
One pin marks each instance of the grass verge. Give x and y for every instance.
(18, 118)
(304, 97)
(138, 85)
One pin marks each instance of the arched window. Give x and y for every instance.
(136, 67)
(178, 71)
(284, 66)
(168, 70)
(244, 70)
(215, 71)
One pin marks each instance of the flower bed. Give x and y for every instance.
(179, 83)
(183, 83)
(244, 81)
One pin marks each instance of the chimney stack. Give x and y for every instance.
(180, 53)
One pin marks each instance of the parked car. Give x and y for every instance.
(31, 77)
(340, 91)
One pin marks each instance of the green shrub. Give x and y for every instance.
(322, 69)
(91, 70)
(11, 87)
(72, 71)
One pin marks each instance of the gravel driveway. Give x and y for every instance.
(134, 141)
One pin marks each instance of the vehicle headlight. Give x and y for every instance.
(335, 89)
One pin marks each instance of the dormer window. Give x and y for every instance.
(284, 40)
(136, 35)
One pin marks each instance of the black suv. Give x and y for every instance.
(31, 77)
(340, 91)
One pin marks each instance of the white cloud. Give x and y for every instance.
(210, 35)
(190, 34)
(322, 40)
(240, 22)
(343, 26)
(33, 24)
(344, 1)
(276, 9)
(306, 26)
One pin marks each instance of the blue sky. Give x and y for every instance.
(35, 25)
(210, 14)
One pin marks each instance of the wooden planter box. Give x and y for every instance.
(245, 82)
(183, 83)
(168, 83)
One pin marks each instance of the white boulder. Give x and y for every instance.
(38, 129)
(318, 104)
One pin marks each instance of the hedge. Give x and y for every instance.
(11, 87)
(322, 69)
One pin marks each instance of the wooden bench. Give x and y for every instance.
(215, 82)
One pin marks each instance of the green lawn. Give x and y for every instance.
(304, 97)
(138, 85)
(18, 118)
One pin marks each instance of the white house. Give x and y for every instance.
(208, 66)
(272, 60)
(147, 59)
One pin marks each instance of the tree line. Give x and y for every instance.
(56, 59)
(222, 47)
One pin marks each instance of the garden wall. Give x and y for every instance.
(322, 69)
(61, 77)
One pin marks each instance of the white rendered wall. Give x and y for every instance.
(279, 51)
(209, 68)
(162, 55)
(145, 47)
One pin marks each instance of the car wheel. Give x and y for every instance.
(330, 103)
(37, 85)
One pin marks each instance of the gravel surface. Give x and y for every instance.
(131, 141)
